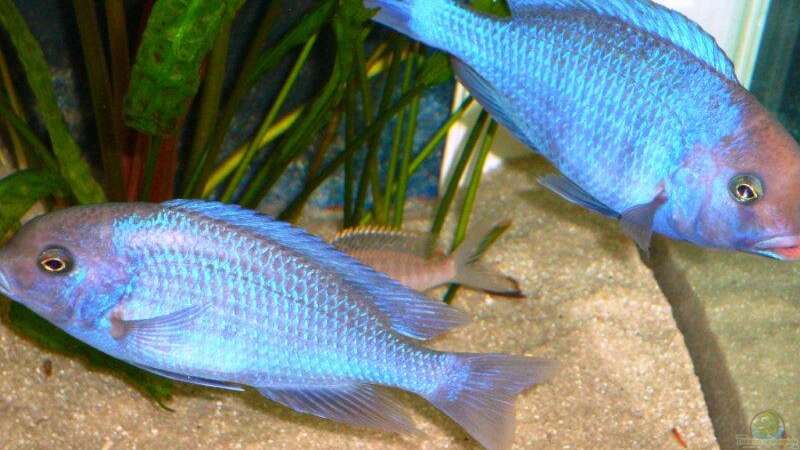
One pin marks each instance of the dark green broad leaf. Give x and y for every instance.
(494, 7)
(28, 324)
(20, 190)
(435, 70)
(74, 169)
(166, 75)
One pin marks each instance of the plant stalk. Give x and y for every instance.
(313, 183)
(212, 91)
(252, 149)
(456, 173)
(109, 130)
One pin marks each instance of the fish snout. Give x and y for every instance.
(786, 248)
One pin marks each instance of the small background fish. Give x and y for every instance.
(216, 295)
(416, 261)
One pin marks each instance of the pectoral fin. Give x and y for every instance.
(356, 404)
(160, 332)
(637, 222)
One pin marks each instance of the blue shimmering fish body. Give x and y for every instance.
(221, 296)
(636, 105)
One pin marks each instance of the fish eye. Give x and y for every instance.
(746, 188)
(55, 260)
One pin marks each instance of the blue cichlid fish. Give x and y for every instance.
(414, 259)
(216, 295)
(636, 105)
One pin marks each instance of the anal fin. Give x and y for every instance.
(361, 405)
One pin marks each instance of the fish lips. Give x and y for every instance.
(785, 248)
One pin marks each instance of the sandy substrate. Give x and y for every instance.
(753, 308)
(626, 379)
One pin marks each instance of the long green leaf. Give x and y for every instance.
(24, 321)
(469, 200)
(272, 114)
(212, 92)
(473, 184)
(456, 173)
(109, 129)
(203, 162)
(348, 28)
(36, 146)
(296, 205)
(73, 168)
(7, 85)
(20, 190)
(166, 74)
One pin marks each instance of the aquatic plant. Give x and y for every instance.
(175, 83)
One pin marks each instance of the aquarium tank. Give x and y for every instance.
(493, 158)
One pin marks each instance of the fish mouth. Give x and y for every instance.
(785, 248)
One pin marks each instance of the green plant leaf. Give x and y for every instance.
(166, 74)
(109, 128)
(495, 7)
(435, 70)
(73, 168)
(349, 32)
(20, 190)
(202, 162)
(27, 323)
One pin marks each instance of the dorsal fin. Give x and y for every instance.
(408, 312)
(372, 237)
(649, 16)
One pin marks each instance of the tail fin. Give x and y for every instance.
(400, 14)
(481, 392)
(472, 274)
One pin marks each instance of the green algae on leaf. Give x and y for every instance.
(20, 190)
(28, 324)
(166, 74)
(495, 7)
(74, 169)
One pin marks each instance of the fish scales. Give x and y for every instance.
(580, 74)
(637, 107)
(219, 296)
(277, 293)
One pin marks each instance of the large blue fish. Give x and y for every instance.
(220, 296)
(636, 105)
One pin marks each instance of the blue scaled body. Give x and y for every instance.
(221, 296)
(635, 104)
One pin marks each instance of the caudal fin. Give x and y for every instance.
(471, 273)
(481, 392)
